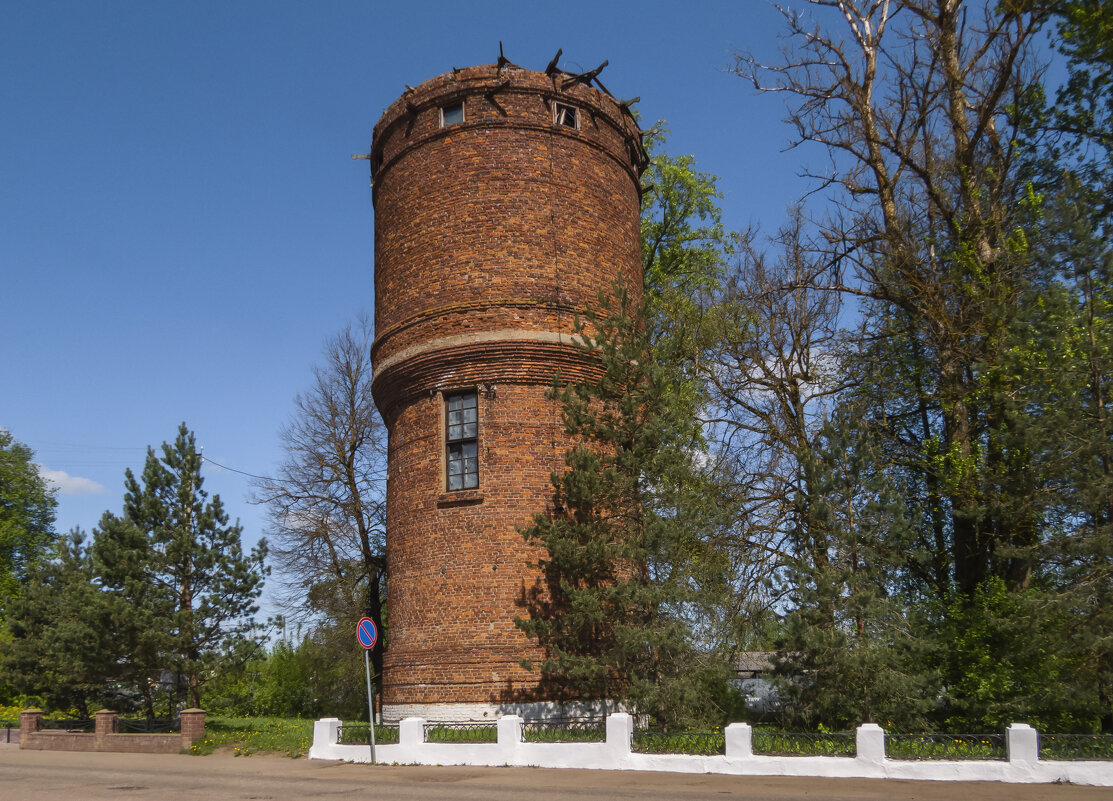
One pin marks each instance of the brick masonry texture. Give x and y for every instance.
(491, 237)
(106, 736)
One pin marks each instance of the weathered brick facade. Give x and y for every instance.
(491, 235)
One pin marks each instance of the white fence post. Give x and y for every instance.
(1022, 743)
(326, 733)
(411, 734)
(869, 741)
(620, 736)
(739, 741)
(509, 736)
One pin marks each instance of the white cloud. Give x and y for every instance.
(69, 485)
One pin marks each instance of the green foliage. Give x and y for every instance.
(1005, 663)
(684, 249)
(1083, 112)
(26, 518)
(848, 652)
(683, 240)
(823, 743)
(62, 637)
(181, 589)
(629, 577)
(680, 742)
(317, 677)
(945, 746)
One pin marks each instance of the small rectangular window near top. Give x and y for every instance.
(565, 115)
(462, 440)
(451, 115)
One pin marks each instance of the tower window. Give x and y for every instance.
(462, 440)
(565, 115)
(453, 114)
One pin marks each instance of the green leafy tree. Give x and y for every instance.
(26, 517)
(140, 610)
(174, 553)
(1063, 345)
(1077, 132)
(684, 252)
(310, 677)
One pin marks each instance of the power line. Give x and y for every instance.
(205, 458)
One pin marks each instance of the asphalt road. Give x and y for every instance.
(35, 775)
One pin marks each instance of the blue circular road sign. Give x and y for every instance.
(366, 633)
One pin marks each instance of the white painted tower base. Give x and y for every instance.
(468, 713)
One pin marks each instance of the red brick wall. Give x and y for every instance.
(491, 236)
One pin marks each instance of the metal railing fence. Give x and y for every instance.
(945, 746)
(698, 743)
(1075, 747)
(461, 732)
(69, 724)
(152, 726)
(785, 743)
(360, 734)
(564, 731)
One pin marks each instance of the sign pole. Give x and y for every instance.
(366, 635)
(370, 701)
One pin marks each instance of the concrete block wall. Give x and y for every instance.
(616, 753)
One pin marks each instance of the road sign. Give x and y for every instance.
(366, 633)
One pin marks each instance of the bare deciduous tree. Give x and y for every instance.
(917, 104)
(327, 502)
(773, 374)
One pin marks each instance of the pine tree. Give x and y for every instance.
(631, 581)
(175, 567)
(848, 651)
(62, 643)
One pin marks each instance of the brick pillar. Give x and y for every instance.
(30, 721)
(193, 726)
(106, 722)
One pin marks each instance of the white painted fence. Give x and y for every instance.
(1022, 743)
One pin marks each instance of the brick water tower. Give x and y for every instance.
(505, 201)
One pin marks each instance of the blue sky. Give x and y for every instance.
(181, 225)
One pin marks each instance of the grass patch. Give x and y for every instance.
(246, 736)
